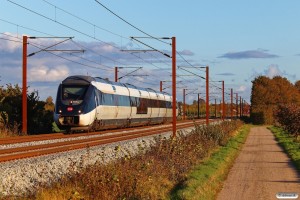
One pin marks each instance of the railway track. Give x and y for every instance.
(76, 142)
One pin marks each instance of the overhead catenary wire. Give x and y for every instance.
(71, 28)
(84, 20)
(88, 35)
(79, 63)
(31, 29)
(62, 24)
(119, 35)
(129, 23)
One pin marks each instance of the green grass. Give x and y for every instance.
(206, 179)
(289, 143)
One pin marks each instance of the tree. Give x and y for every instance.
(262, 100)
(267, 94)
(40, 114)
(49, 104)
(297, 85)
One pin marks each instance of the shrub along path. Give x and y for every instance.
(261, 170)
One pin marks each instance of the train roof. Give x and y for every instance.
(81, 80)
(86, 80)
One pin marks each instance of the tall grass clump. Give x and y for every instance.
(6, 131)
(151, 174)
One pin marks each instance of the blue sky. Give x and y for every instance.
(238, 40)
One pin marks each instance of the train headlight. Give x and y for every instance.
(59, 111)
(79, 111)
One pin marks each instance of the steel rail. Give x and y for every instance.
(52, 148)
(52, 136)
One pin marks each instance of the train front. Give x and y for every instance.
(75, 104)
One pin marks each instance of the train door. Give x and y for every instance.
(97, 104)
(116, 104)
(97, 107)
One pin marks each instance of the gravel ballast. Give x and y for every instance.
(24, 176)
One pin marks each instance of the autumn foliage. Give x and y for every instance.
(289, 118)
(268, 95)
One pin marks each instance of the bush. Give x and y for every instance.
(288, 116)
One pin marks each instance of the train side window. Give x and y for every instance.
(123, 100)
(163, 104)
(169, 104)
(154, 103)
(138, 102)
(142, 107)
(115, 100)
(133, 101)
(107, 99)
(157, 103)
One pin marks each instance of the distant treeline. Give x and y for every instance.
(40, 113)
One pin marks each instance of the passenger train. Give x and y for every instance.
(93, 103)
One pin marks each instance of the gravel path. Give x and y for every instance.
(24, 176)
(261, 170)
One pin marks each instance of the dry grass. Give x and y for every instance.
(9, 132)
(152, 174)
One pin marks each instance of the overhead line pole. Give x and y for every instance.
(24, 75)
(198, 105)
(241, 106)
(207, 95)
(174, 105)
(184, 110)
(116, 74)
(223, 101)
(174, 84)
(237, 104)
(231, 103)
(24, 87)
(216, 108)
(160, 86)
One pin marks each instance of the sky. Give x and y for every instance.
(238, 40)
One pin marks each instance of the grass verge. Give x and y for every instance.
(289, 143)
(206, 179)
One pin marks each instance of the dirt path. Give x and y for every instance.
(261, 170)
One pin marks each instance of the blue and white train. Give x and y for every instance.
(93, 103)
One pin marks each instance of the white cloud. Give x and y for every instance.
(44, 73)
(10, 43)
(242, 88)
(272, 71)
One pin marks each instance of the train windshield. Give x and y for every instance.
(74, 92)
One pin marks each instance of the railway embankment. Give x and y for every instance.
(148, 168)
